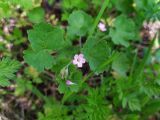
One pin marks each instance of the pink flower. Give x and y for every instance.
(79, 60)
(12, 22)
(102, 27)
(68, 82)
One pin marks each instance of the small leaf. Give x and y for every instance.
(79, 23)
(4, 82)
(122, 33)
(134, 104)
(7, 69)
(5, 10)
(123, 6)
(40, 60)
(36, 15)
(121, 64)
(96, 52)
(44, 36)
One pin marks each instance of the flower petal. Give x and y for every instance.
(81, 55)
(76, 56)
(102, 26)
(68, 82)
(79, 64)
(75, 62)
(103, 29)
(82, 60)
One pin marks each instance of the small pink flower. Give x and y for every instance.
(68, 82)
(102, 27)
(79, 60)
(12, 24)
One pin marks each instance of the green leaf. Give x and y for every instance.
(148, 9)
(125, 6)
(97, 52)
(60, 63)
(121, 64)
(54, 110)
(7, 69)
(5, 10)
(43, 36)
(134, 104)
(123, 31)
(144, 4)
(79, 23)
(36, 15)
(4, 82)
(76, 77)
(96, 107)
(62, 88)
(40, 60)
(26, 4)
(44, 39)
(70, 4)
(152, 107)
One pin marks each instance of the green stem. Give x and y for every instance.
(80, 43)
(87, 77)
(133, 65)
(105, 4)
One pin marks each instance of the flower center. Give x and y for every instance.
(78, 59)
